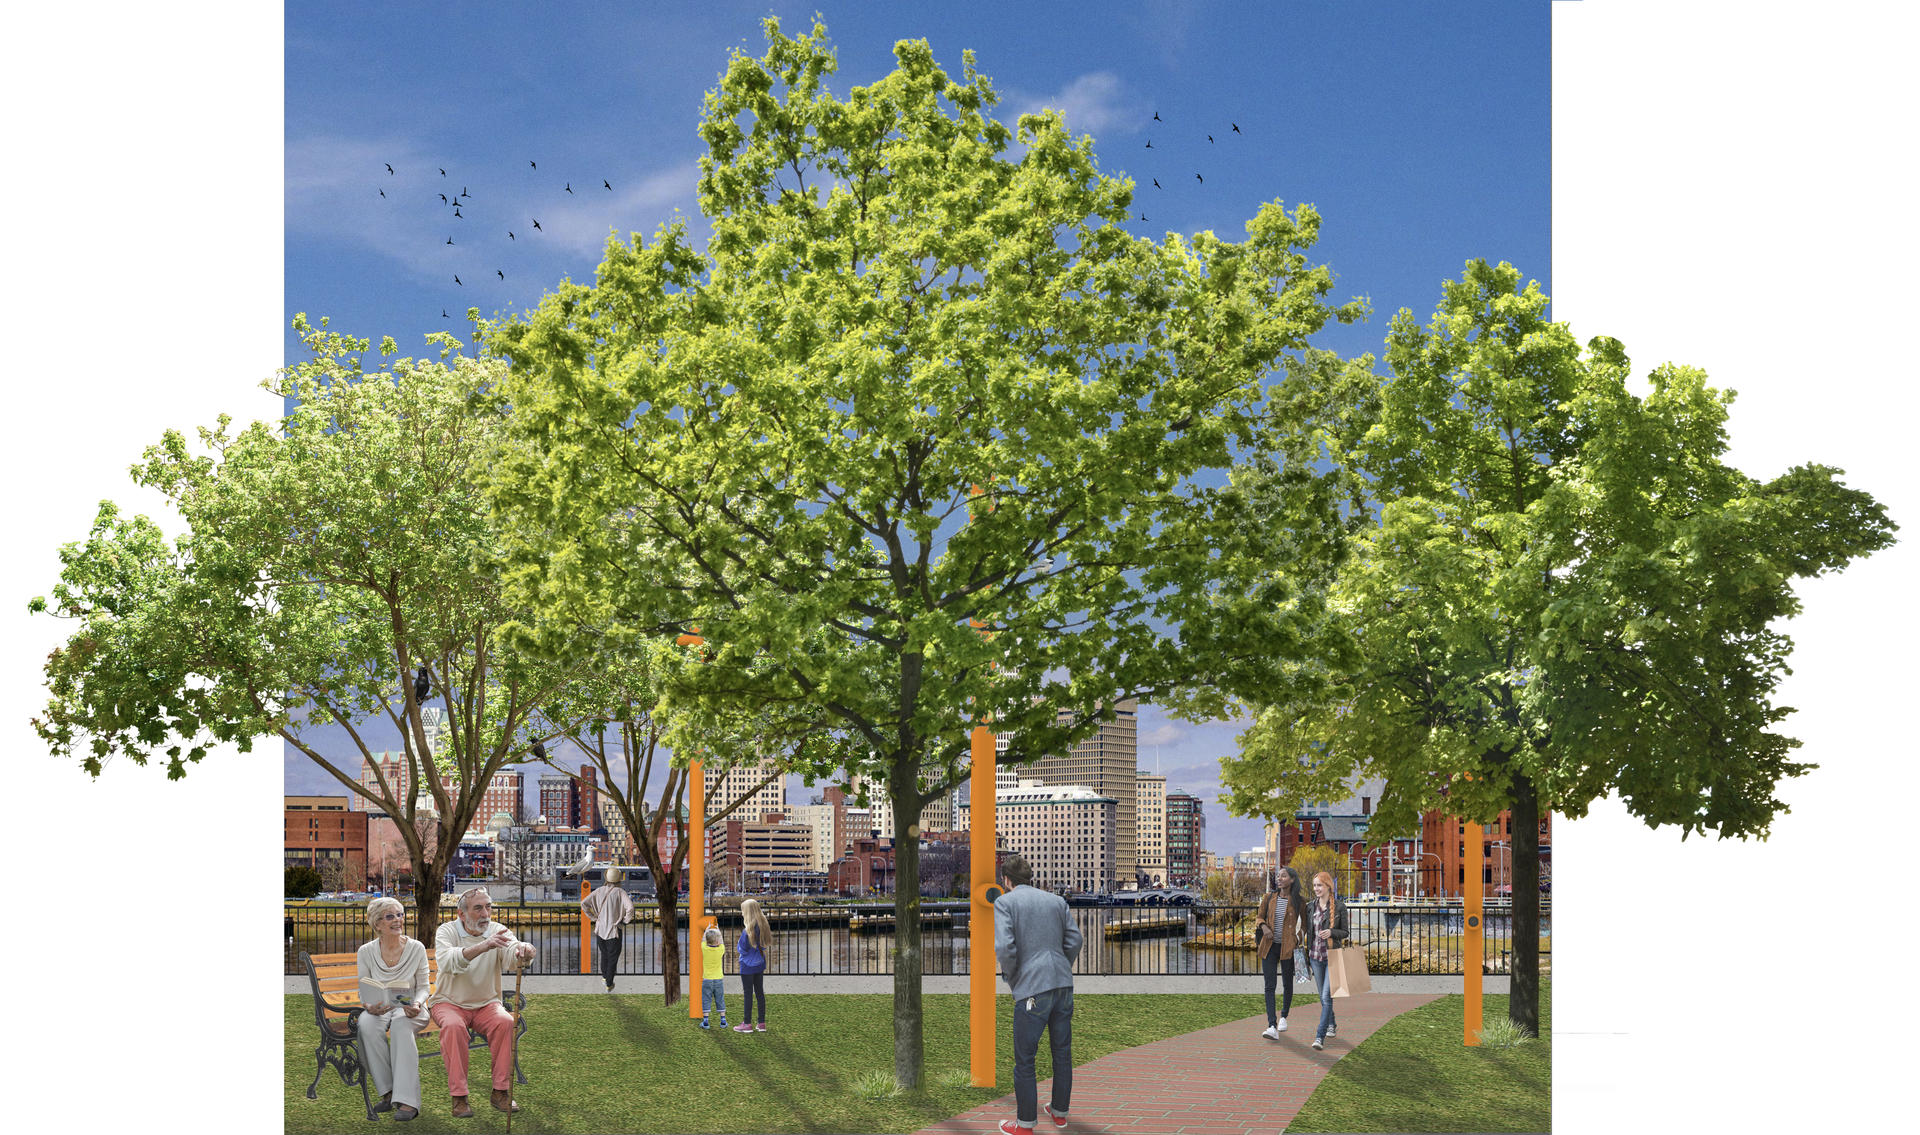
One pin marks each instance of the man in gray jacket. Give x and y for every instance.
(1036, 942)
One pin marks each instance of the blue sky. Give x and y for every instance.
(1419, 131)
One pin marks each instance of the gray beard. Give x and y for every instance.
(472, 929)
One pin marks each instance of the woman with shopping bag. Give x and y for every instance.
(1327, 931)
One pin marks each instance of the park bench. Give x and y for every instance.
(335, 979)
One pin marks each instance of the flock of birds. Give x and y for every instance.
(456, 202)
(1196, 177)
(460, 200)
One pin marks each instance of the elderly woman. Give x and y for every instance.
(396, 966)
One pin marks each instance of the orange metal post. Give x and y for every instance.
(1473, 935)
(981, 1007)
(696, 836)
(696, 883)
(586, 930)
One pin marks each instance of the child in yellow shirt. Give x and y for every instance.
(713, 986)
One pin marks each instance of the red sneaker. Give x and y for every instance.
(1009, 1127)
(1059, 1120)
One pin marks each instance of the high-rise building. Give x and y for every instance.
(1150, 827)
(830, 835)
(723, 788)
(557, 799)
(1186, 836)
(1065, 832)
(392, 766)
(586, 799)
(504, 795)
(1107, 763)
(937, 816)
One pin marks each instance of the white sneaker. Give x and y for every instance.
(1317, 1043)
(1329, 1032)
(1282, 1026)
(1272, 1033)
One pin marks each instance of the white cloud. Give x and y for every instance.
(1090, 104)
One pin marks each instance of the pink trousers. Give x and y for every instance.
(493, 1022)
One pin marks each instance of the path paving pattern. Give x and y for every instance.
(1226, 1080)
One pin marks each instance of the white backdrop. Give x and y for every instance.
(1725, 196)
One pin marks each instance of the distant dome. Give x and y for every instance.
(500, 820)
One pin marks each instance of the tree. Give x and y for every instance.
(610, 713)
(784, 434)
(337, 568)
(1564, 592)
(1312, 859)
(302, 881)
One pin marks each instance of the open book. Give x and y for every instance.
(373, 993)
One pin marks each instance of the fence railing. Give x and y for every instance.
(1400, 938)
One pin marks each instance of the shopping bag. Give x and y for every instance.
(1347, 971)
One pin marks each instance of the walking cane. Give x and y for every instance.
(513, 1040)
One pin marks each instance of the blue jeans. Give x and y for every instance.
(713, 995)
(1052, 1011)
(1325, 986)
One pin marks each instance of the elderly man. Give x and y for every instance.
(472, 951)
(1036, 942)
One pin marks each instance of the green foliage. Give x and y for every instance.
(326, 558)
(1311, 860)
(777, 441)
(302, 881)
(1565, 590)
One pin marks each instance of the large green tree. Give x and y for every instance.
(329, 560)
(901, 301)
(1565, 592)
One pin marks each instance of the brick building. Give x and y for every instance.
(322, 832)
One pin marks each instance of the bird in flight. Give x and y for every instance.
(449, 240)
(443, 173)
(499, 273)
(1156, 117)
(1143, 216)
(569, 187)
(534, 164)
(536, 224)
(456, 212)
(604, 181)
(456, 280)
(443, 313)
(1236, 127)
(464, 193)
(1156, 183)
(1149, 143)
(1199, 179)
(510, 235)
(383, 193)
(1209, 137)
(443, 199)
(389, 166)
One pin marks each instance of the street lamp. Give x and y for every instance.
(1506, 875)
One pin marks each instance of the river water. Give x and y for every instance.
(835, 949)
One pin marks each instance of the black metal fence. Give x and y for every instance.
(1400, 938)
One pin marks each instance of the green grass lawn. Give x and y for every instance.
(1414, 1074)
(628, 1063)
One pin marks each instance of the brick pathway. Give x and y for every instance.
(1226, 1080)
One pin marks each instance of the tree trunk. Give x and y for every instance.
(908, 963)
(669, 899)
(1523, 846)
(426, 902)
